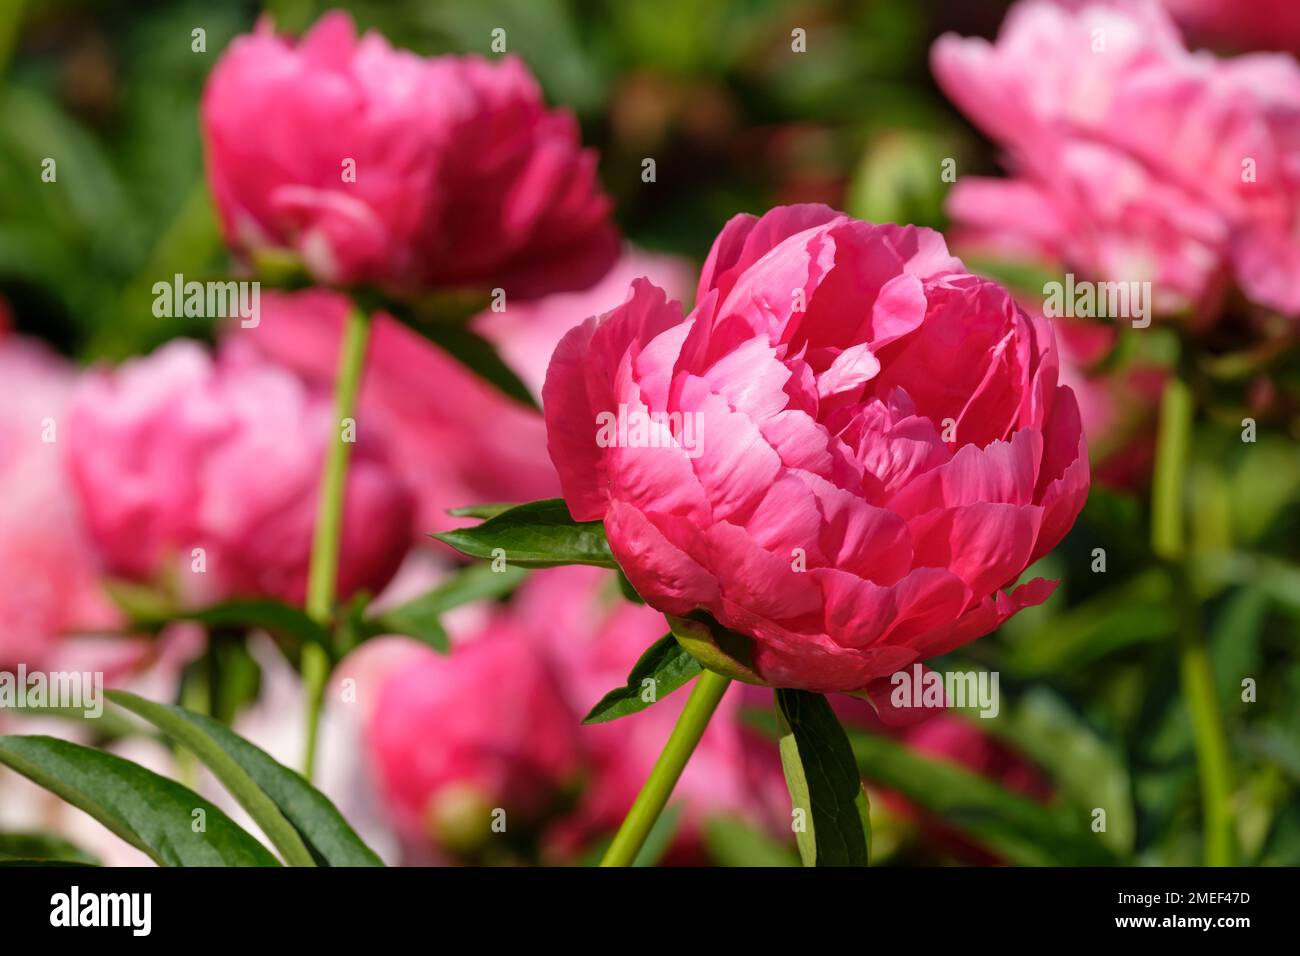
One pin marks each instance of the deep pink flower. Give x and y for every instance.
(1132, 159)
(49, 581)
(1238, 25)
(454, 738)
(177, 451)
(455, 439)
(375, 165)
(870, 443)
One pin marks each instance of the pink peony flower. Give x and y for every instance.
(177, 451)
(49, 581)
(1257, 25)
(455, 738)
(1132, 159)
(455, 439)
(526, 334)
(595, 637)
(868, 445)
(375, 165)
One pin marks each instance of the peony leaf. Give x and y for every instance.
(175, 722)
(666, 664)
(1021, 831)
(487, 510)
(148, 811)
(824, 782)
(421, 617)
(319, 825)
(540, 534)
(17, 847)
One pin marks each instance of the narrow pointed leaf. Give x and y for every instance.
(824, 782)
(540, 534)
(421, 617)
(175, 722)
(666, 663)
(327, 835)
(1019, 830)
(153, 814)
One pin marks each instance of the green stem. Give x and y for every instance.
(703, 701)
(1168, 540)
(323, 575)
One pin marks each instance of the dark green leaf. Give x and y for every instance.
(421, 617)
(45, 847)
(666, 663)
(824, 782)
(327, 835)
(280, 620)
(152, 813)
(1019, 830)
(176, 723)
(540, 534)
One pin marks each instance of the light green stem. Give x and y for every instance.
(704, 699)
(323, 575)
(1168, 540)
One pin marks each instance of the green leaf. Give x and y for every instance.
(733, 842)
(324, 831)
(665, 662)
(1017, 829)
(1088, 772)
(490, 510)
(540, 534)
(148, 811)
(45, 847)
(824, 782)
(420, 617)
(274, 617)
(178, 724)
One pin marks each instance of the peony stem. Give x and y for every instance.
(704, 700)
(1168, 542)
(323, 576)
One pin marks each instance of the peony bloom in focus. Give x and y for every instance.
(454, 738)
(49, 582)
(845, 452)
(1132, 158)
(176, 451)
(377, 166)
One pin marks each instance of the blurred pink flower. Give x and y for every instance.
(526, 334)
(1132, 159)
(595, 637)
(176, 451)
(878, 446)
(455, 439)
(454, 738)
(49, 581)
(1118, 406)
(378, 166)
(1239, 24)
